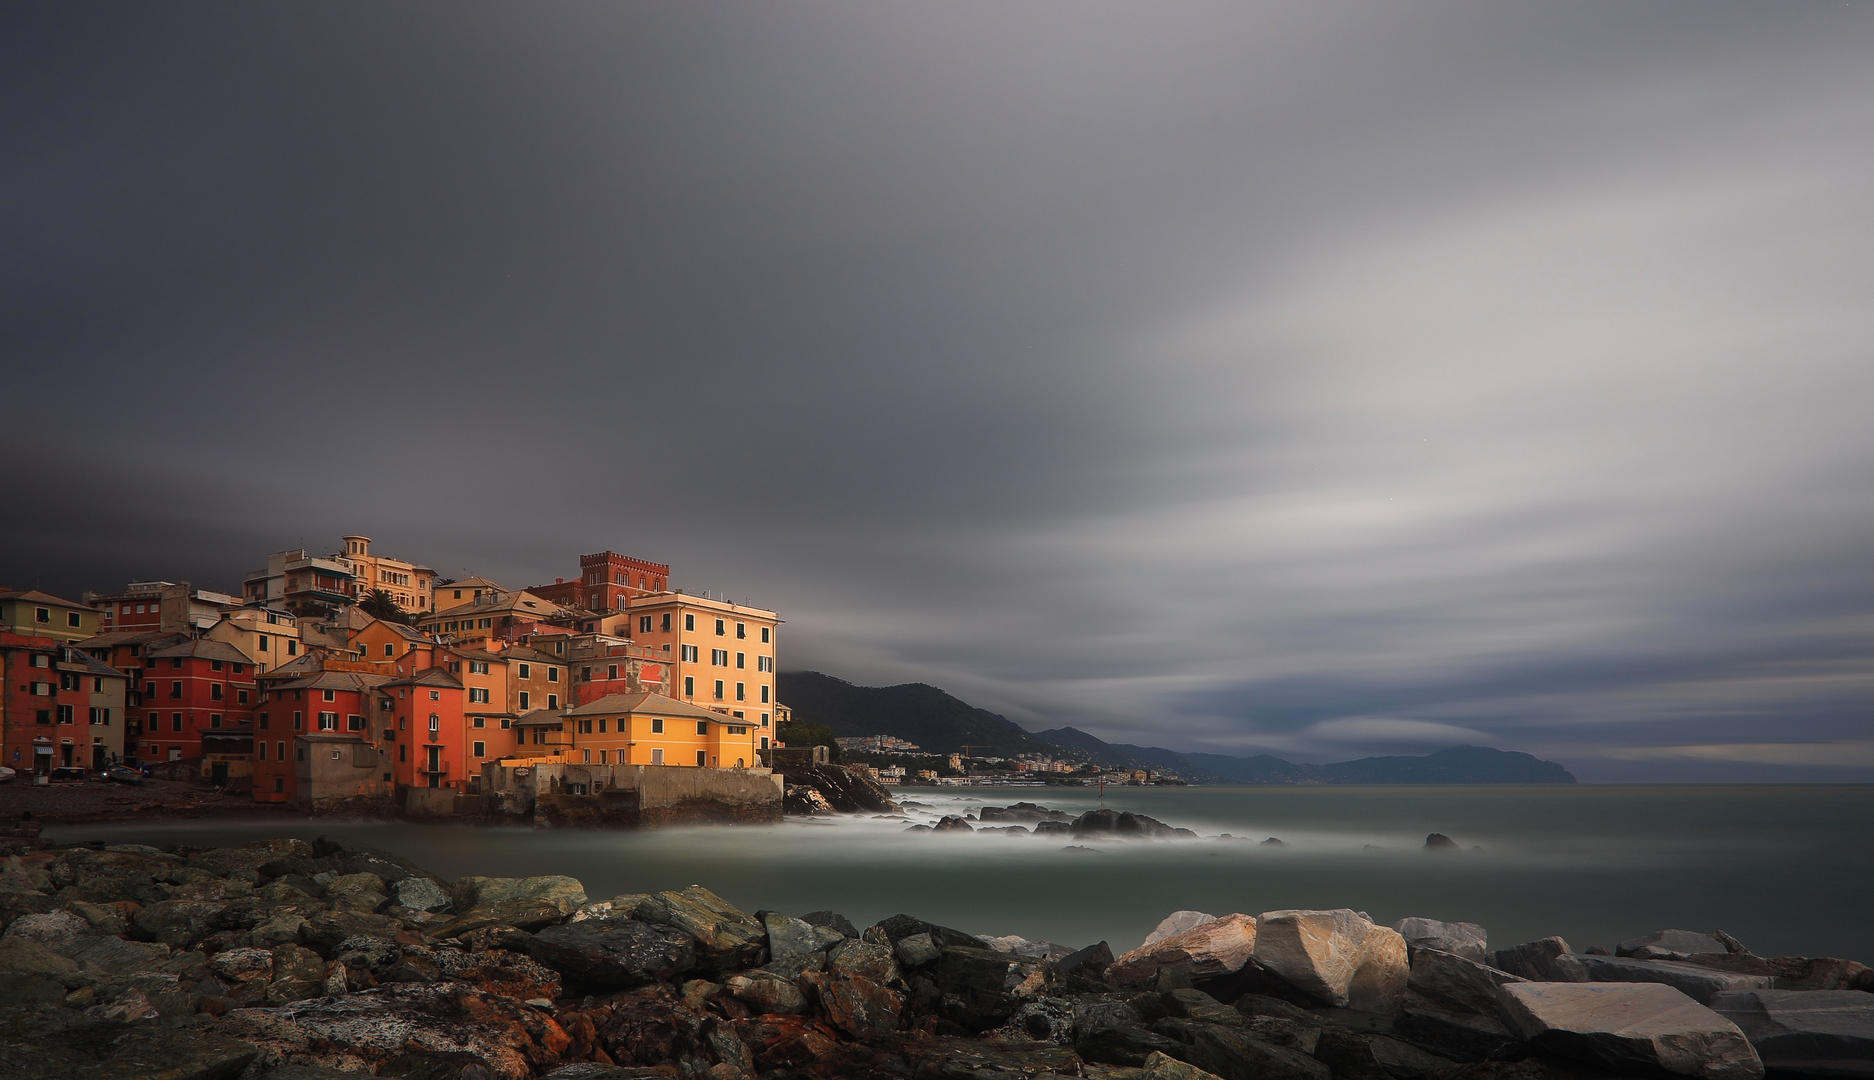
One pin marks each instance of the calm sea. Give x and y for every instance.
(1787, 869)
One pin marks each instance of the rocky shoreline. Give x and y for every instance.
(288, 960)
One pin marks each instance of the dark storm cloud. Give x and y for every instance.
(1322, 380)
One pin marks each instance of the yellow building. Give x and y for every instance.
(722, 654)
(36, 614)
(92, 733)
(269, 638)
(466, 591)
(410, 583)
(651, 729)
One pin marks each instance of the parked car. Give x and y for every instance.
(123, 774)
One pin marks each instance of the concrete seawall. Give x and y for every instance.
(573, 795)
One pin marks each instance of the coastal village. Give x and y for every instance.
(354, 678)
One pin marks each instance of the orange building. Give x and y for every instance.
(434, 748)
(651, 729)
(332, 702)
(721, 654)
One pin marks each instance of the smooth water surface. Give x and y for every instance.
(1788, 869)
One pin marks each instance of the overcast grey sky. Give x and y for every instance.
(1321, 379)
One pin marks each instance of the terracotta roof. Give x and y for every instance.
(658, 704)
(205, 648)
(348, 681)
(37, 597)
(540, 718)
(429, 677)
(126, 637)
(92, 665)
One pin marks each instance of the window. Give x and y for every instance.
(657, 725)
(390, 649)
(741, 660)
(43, 716)
(43, 615)
(299, 721)
(644, 624)
(478, 667)
(479, 721)
(280, 750)
(585, 756)
(764, 719)
(741, 630)
(527, 671)
(689, 686)
(328, 721)
(292, 647)
(702, 727)
(481, 749)
(354, 723)
(721, 627)
(175, 689)
(666, 626)
(764, 663)
(71, 618)
(718, 658)
(601, 725)
(734, 730)
(506, 723)
(279, 785)
(299, 753)
(41, 689)
(553, 701)
(240, 696)
(403, 751)
(65, 714)
(657, 756)
(611, 672)
(718, 689)
(263, 751)
(764, 693)
(97, 686)
(741, 691)
(214, 719)
(261, 642)
(478, 694)
(524, 698)
(553, 674)
(764, 742)
(42, 660)
(214, 665)
(214, 691)
(602, 755)
(328, 695)
(764, 634)
(435, 722)
(264, 721)
(689, 654)
(702, 758)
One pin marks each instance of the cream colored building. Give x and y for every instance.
(410, 583)
(269, 638)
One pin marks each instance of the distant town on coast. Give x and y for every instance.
(356, 681)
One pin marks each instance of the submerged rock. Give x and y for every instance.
(1098, 823)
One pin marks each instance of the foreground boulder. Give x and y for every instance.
(1177, 923)
(1458, 992)
(1632, 1027)
(1546, 960)
(1697, 983)
(729, 938)
(1460, 938)
(1337, 957)
(614, 952)
(1209, 949)
(1818, 1032)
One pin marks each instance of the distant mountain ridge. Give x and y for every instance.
(941, 724)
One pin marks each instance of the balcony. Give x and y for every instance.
(441, 769)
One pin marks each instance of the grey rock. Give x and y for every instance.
(1176, 923)
(1091, 961)
(1546, 960)
(831, 920)
(1631, 1027)
(1123, 1044)
(1815, 1032)
(1674, 945)
(1160, 1066)
(768, 992)
(789, 936)
(1697, 983)
(1458, 991)
(1236, 1054)
(470, 893)
(1337, 957)
(242, 965)
(874, 962)
(1460, 938)
(615, 952)
(916, 950)
(420, 894)
(1041, 1019)
(825, 937)
(178, 923)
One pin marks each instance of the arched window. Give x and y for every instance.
(435, 722)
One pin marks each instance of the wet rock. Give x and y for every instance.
(916, 950)
(951, 823)
(110, 1050)
(1099, 824)
(975, 985)
(298, 974)
(325, 931)
(789, 936)
(1185, 1003)
(768, 992)
(1695, 982)
(1235, 1054)
(1546, 960)
(420, 894)
(1275, 1021)
(1817, 1032)
(1042, 1019)
(20, 956)
(242, 965)
(588, 1070)
(1644, 1027)
(614, 952)
(1675, 945)
(958, 1059)
(1459, 939)
(864, 959)
(178, 923)
(651, 1026)
(831, 920)
(1791, 972)
(527, 903)
(1177, 923)
(1337, 957)
(1209, 949)
(728, 938)
(862, 1008)
(1124, 1044)
(1160, 1066)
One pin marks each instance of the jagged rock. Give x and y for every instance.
(420, 894)
(1817, 1032)
(916, 950)
(1177, 923)
(1125, 825)
(615, 952)
(107, 1050)
(1338, 957)
(242, 965)
(1630, 1027)
(368, 1031)
(899, 927)
(1209, 949)
(1546, 960)
(1697, 983)
(831, 920)
(951, 823)
(1185, 1003)
(1235, 1054)
(1440, 842)
(1459, 939)
(788, 936)
(1276, 1021)
(1676, 945)
(956, 1059)
(363, 891)
(325, 931)
(864, 959)
(1091, 961)
(1159, 1066)
(729, 939)
(1791, 972)
(1124, 1044)
(298, 974)
(1054, 828)
(21, 956)
(768, 992)
(862, 1008)
(974, 984)
(1458, 991)
(651, 1026)
(1042, 1019)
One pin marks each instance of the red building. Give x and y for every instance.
(322, 701)
(607, 581)
(127, 651)
(189, 688)
(601, 667)
(431, 731)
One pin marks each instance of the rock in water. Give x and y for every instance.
(1177, 923)
(1459, 939)
(1674, 945)
(1219, 947)
(952, 823)
(1695, 982)
(1547, 960)
(1821, 1032)
(1337, 957)
(1440, 842)
(614, 952)
(1632, 1027)
(1098, 823)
